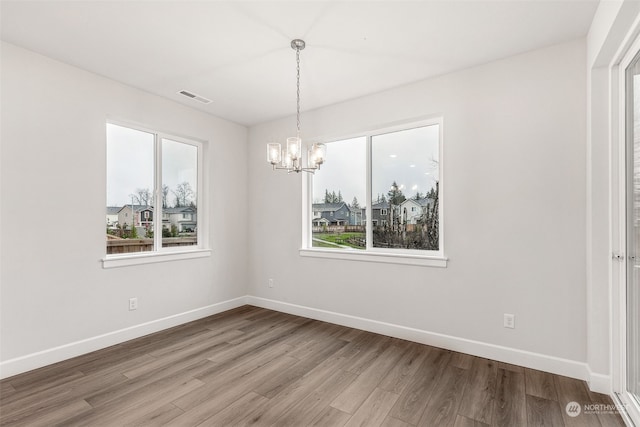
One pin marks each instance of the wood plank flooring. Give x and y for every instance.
(256, 367)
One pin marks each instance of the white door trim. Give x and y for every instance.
(627, 53)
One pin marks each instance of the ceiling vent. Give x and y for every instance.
(194, 96)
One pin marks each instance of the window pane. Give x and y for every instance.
(179, 190)
(130, 154)
(404, 189)
(338, 214)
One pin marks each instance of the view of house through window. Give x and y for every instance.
(179, 189)
(130, 175)
(404, 192)
(339, 197)
(135, 205)
(404, 189)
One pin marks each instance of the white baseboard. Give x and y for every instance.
(542, 362)
(32, 361)
(599, 383)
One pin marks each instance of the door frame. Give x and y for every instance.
(619, 212)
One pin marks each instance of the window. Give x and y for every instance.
(179, 181)
(393, 199)
(340, 181)
(156, 178)
(405, 169)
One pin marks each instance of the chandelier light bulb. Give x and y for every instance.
(319, 153)
(287, 162)
(274, 153)
(294, 147)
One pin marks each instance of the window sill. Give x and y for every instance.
(114, 261)
(384, 257)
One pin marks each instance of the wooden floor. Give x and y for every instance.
(252, 366)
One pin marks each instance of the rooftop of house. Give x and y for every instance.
(327, 207)
(380, 205)
(426, 201)
(113, 210)
(179, 209)
(137, 208)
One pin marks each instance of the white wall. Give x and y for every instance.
(54, 291)
(514, 137)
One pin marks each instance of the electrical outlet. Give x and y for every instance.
(133, 304)
(509, 321)
(270, 283)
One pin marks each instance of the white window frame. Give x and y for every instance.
(160, 254)
(372, 254)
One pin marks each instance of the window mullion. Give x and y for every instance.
(157, 211)
(307, 210)
(199, 200)
(369, 211)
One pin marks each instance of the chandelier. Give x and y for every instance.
(290, 158)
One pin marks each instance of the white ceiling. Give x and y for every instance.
(238, 53)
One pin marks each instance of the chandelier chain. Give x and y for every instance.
(298, 91)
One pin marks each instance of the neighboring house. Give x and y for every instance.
(379, 214)
(332, 213)
(325, 214)
(144, 216)
(141, 214)
(413, 210)
(357, 216)
(112, 215)
(184, 218)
